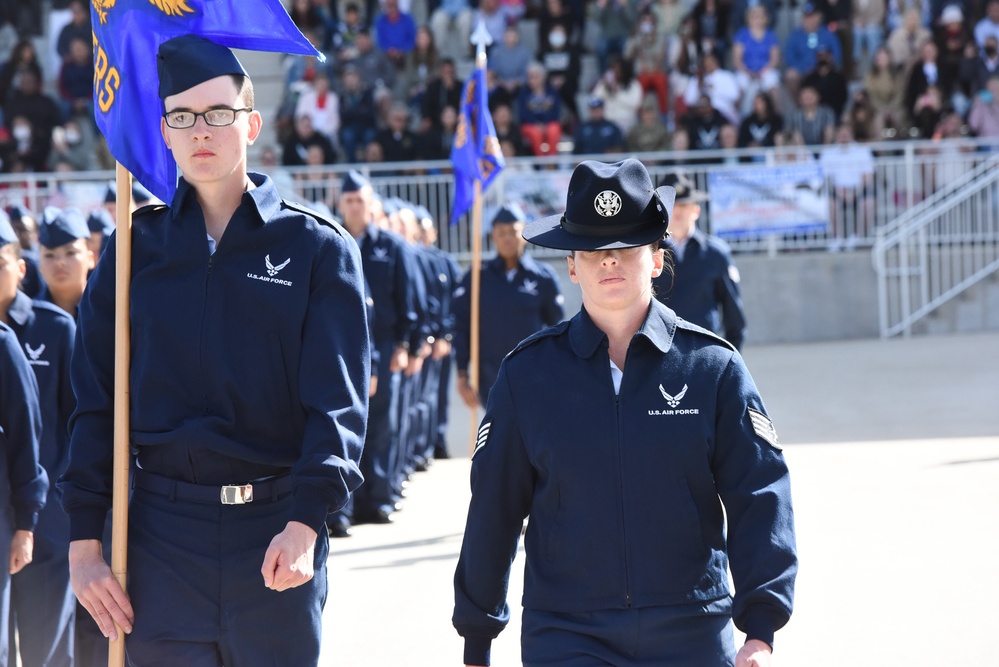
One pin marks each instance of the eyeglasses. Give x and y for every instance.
(181, 120)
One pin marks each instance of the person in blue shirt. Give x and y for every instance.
(801, 47)
(597, 135)
(639, 448)
(703, 285)
(23, 482)
(248, 397)
(43, 608)
(518, 296)
(66, 258)
(395, 32)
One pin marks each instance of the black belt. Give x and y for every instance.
(230, 494)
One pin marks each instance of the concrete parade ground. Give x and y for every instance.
(893, 448)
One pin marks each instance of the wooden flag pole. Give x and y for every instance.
(476, 269)
(122, 351)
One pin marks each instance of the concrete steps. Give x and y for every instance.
(977, 309)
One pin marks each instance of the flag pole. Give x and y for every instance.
(481, 38)
(122, 350)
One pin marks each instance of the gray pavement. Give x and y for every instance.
(894, 454)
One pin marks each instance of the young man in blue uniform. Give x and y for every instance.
(27, 232)
(391, 273)
(641, 451)
(703, 285)
(23, 482)
(66, 258)
(248, 397)
(518, 296)
(43, 608)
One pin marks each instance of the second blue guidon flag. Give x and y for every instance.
(476, 153)
(127, 35)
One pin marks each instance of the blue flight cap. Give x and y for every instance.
(140, 195)
(7, 233)
(354, 181)
(61, 226)
(607, 206)
(509, 214)
(110, 194)
(188, 60)
(423, 213)
(100, 220)
(18, 211)
(389, 206)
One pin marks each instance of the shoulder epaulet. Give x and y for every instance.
(547, 332)
(38, 305)
(320, 218)
(693, 328)
(147, 209)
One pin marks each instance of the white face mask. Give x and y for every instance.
(22, 133)
(646, 28)
(72, 137)
(557, 39)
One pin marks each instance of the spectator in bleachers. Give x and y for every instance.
(803, 43)
(506, 130)
(444, 90)
(615, 20)
(868, 33)
(76, 79)
(309, 19)
(322, 105)
(683, 61)
(762, 125)
(421, 65)
(988, 26)
(983, 119)
(395, 32)
(669, 15)
(711, 27)
(756, 57)
(514, 10)
(860, 117)
(29, 100)
(829, 81)
(358, 114)
(926, 91)
(434, 141)
(296, 149)
(849, 166)
(703, 125)
(597, 135)
(28, 149)
(557, 13)
(720, 85)
(344, 34)
(539, 110)
(979, 65)
(737, 18)
(650, 132)
(499, 94)
(509, 60)
(373, 66)
(814, 121)
(451, 24)
(313, 184)
(906, 41)
(838, 15)
(621, 93)
(885, 86)
(301, 70)
(397, 141)
(73, 144)
(953, 38)
(792, 148)
(23, 58)
(77, 28)
(647, 50)
(561, 59)
(493, 16)
(896, 10)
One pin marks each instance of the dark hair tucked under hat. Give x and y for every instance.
(188, 60)
(61, 226)
(608, 206)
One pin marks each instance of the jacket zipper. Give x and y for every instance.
(204, 317)
(621, 486)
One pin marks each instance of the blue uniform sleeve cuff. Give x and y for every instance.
(477, 650)
(310, 507)
(25, 520)
(87, 523)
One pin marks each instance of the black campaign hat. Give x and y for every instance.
(608, 206)
(188, 60)
(686, 191)
(61, 226)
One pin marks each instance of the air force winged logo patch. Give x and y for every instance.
(673, 401)
(273, 270)
(529, 286)
(482, 438)
(764, 428)
(35, 355)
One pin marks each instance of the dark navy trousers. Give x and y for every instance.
(647, 637)
(380, 459)
(197, 591)
(42, 604)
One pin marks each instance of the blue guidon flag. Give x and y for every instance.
(476, 154)
(127, 35)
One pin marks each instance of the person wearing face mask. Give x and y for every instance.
(73, 144)
(983, 119)
(28, 147)
(647, 50)
(979, 66)
(561, 59)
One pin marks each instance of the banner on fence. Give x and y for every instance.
(760, 201)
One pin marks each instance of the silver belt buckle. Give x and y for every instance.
(237, 495)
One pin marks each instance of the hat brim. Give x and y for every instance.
(692, 197)
(547, 232)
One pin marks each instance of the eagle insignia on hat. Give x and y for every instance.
(607, 203)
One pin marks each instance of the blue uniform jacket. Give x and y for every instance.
(704, 282)
(391, 271)
(46, 334)
(509, 312)
(23, 482)
(625, 493)
(450, 275)
(257, 355)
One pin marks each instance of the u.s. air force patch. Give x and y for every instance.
(482, 438)
(764, 428)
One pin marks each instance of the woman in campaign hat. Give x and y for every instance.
(623, 434)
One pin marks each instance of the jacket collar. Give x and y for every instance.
(525, 262)
(20, 311)
(264, 197)
(658, 327)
